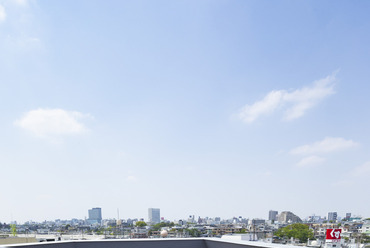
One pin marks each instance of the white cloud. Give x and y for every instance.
(362, 170)
(2, 13)
(50, 123)
(307, 97)
(294, 103)
(268, 104)
(24, 33)
(310, 161)
(327, 145)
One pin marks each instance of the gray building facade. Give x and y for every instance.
(332, 216)
(95, 216)
(273, 215)
(154, 215)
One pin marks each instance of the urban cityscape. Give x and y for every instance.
(355, 230)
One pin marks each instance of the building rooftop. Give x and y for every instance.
(152, 243)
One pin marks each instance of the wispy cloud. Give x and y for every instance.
(310, 152)
(327, 145)
(354, 176)
(310, 161)
(51, 123)
(267, 105)
(2, 13)
(294, 104)
(22, 32)
(362, 170)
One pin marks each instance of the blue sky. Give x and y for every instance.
(211, 108)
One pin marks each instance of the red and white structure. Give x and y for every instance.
(333, 235)
(333, 238)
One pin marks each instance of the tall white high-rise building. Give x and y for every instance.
(95, 215)
(154, 215)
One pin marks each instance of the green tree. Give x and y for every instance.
(140, 224)
(297, 231)
(158, 226)
(109, 230)
(13, 228)
(364, 238)
(194, 232)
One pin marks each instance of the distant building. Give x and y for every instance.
(315, 219)
(95, 216)
(200, 221)
(288, 217)
(191, 219)
(273, 215)
(257, 222)
(154, 215)
(366, 227)
(332, 216)
(348, 216)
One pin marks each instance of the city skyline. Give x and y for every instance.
(95, 216)
(220, 108)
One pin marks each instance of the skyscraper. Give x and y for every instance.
(273, 215)
(154, 215)
(95, 216)
(332, 216)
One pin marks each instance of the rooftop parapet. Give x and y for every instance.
(152, 243)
